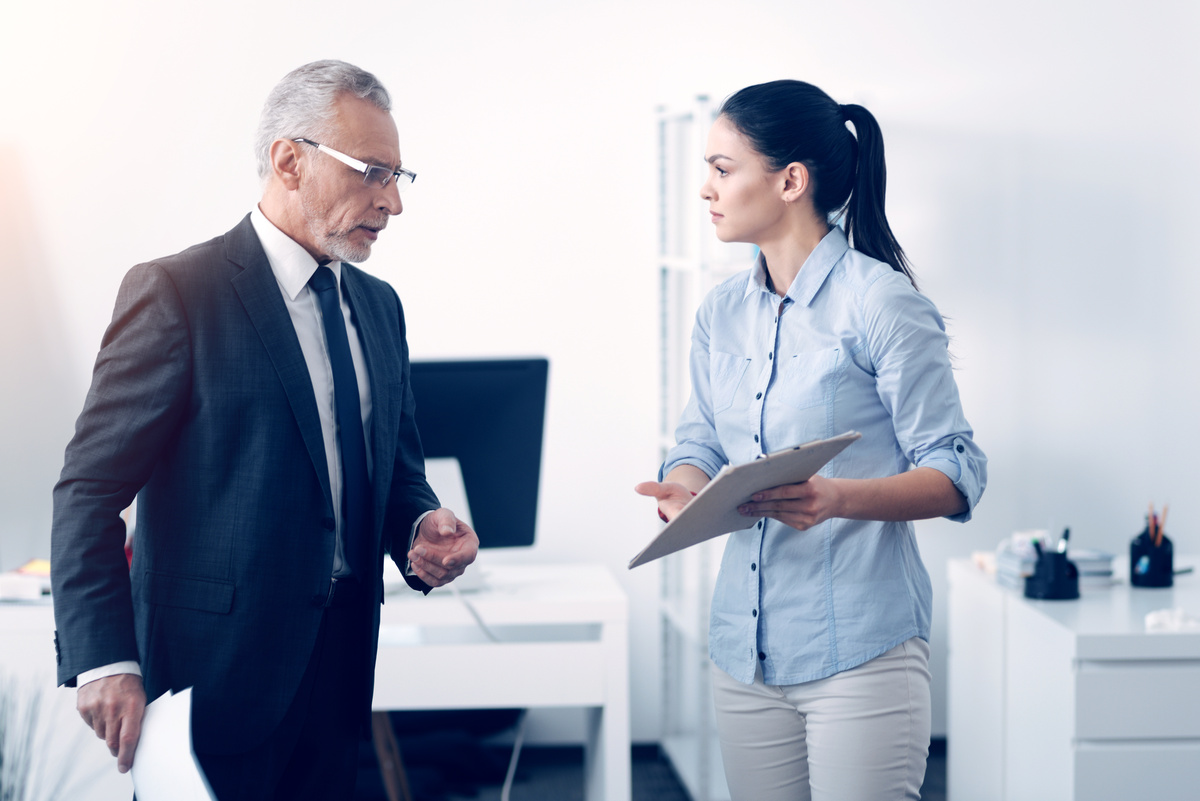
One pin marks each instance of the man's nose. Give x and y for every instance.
(389, 199)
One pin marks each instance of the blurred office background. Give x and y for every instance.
(1043, 179)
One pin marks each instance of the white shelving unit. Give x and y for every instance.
(691, 260)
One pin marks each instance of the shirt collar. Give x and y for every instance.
(812, 275)
(290, 262)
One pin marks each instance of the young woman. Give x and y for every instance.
(820, 617)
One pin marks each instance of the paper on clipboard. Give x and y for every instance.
(713, 511)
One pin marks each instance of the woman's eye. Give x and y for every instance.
(721, 172)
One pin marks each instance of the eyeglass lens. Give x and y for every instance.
(380, 176)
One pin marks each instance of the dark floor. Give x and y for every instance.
(556, 774)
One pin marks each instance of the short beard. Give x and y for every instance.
(339, 246)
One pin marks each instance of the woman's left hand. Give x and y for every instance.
(800, 506)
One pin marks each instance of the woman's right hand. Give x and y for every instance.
(672, 497)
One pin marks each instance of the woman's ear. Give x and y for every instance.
(795, 182)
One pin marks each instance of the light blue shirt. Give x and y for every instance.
(852, 347)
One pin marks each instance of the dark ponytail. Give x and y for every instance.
(788, 121)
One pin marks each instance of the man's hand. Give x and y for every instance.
(113, 707)
(443, 548)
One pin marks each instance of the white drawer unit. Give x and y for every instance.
(1071, 699)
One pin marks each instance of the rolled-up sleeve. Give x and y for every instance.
(909, 350)
(696, 433)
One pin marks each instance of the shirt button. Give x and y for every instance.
(761, 655)
(959, 448)
(760, 523)
(759, 395)
(753, 566)
(771, 355)
(756, 437)
(754, 612)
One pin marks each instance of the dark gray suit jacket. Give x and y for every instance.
(201, 401)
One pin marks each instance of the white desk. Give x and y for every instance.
(564, 641)
(1071, 699)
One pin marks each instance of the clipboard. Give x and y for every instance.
(713, 511)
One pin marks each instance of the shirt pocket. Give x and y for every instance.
(805, 380)
(725, 371)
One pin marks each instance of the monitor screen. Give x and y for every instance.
(489, 416)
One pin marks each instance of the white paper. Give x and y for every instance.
(713, 511)
(165, 767)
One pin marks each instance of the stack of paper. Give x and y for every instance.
(1095, 567)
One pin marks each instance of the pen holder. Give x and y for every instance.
(1055, 578)
(1151, 565)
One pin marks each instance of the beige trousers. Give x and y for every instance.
(860, 734)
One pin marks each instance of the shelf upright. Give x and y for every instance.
(691, 261)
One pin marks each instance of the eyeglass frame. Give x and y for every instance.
(365, 168)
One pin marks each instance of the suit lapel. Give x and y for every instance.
(259, 292)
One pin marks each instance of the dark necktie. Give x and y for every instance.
(356, 486)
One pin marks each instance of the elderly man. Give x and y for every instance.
(253, 392)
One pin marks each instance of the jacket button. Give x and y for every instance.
(328, 523)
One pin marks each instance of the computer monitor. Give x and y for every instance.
(489, 416)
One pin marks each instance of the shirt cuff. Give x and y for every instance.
(412, 537)
(115, 669)
(708, 467)
(966, 467)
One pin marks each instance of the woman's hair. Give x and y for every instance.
(302, 104)
(788, 121)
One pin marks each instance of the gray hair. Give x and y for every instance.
(301, 105)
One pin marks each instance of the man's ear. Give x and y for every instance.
(796, 183)
(285, 162)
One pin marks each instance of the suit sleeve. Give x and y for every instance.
(139, 390)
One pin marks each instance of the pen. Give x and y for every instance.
(1062, 544)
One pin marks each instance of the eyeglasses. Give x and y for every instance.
(372, 175)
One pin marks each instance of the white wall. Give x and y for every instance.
(1042, 180)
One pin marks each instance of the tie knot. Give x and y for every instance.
(323, 279)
